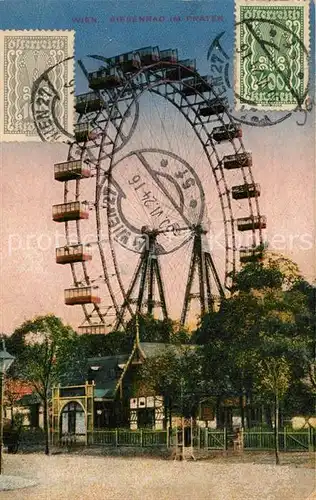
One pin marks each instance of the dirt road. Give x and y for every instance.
(75, 477)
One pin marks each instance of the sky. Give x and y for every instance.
(283, 157)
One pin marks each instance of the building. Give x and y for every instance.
(112, 396)
(21, 402)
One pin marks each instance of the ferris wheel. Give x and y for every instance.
(160, 204)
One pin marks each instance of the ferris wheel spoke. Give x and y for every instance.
(152, 134)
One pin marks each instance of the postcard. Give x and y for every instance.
(148, 150)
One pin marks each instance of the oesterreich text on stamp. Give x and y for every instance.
(271, 54)
(37, 91)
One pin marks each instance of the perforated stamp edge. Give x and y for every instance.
(239, 103)
(67, 92)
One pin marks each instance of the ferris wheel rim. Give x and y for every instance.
(231, 119)
(110, 156)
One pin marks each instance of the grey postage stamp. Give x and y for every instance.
(271, 54)
(37, 91)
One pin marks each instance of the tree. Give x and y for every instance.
(273, 271)
(273, 380)
(73, 370)
(119, 342)
(44, 347)
(270, 304)
(176, 375)
(230, 337)
(308, 324)
(152, 329)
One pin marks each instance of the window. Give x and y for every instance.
(146, 418)
(72, 419)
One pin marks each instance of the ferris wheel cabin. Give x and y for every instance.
(82, 131)
(71, 170)
(106, 78)
(212, 107)
(84, 295)
(73, 253)
(85, 103)
(149, 55)
(226, 132)
(74, 210)
(192, 86)
(237, 161)
(129, 62)
(188, 67)
(169, 56)
(250, 254)
(245, 191)
(250, 223)
(94, 329)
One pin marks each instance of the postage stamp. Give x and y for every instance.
(37, 91)
(271, 54)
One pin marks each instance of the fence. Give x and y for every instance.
(206, 438)
(125, 437)
(212, 439)
(289, 440)
(202, 438)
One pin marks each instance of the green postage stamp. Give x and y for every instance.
(271, 54)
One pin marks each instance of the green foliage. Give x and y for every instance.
(273, 377)
(256, 276)
(270, 315)
(272, 271)
(299, 399)
(309, 291)
(90, 346)
(18, 419)
(155, 330)
(118, 342)
(43, 348)
(48, 352)
(176, 375)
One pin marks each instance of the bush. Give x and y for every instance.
(31, 436)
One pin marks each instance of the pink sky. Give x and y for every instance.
(32, 283)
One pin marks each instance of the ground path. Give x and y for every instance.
(75, 477)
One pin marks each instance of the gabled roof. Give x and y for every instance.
(110, 370)
(107, 362)
(29, 399)
(146, 350)
(106, 374)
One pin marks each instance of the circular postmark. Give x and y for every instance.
(109, 115)
(52, 102)
(106, 134)
(99, 113)
(266, 73)
(152, 190)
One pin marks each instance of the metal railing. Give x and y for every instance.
(125, 437)
(289, 440)
(206, 438)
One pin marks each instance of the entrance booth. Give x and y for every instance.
(73, 414)
(72, 421)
